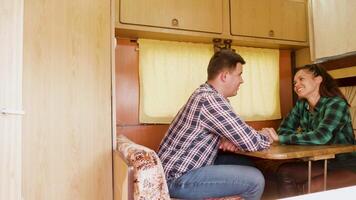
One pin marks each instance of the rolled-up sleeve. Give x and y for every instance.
(218, 117)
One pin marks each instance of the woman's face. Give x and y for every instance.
(305, 84)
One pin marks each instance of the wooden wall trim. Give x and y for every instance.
(340, 62)
(349, 81)
(127, 82)
(147, 135)
(285, 82)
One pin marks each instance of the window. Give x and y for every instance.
(171, 71)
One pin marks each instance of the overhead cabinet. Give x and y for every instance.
(272, 19)
(261, 23)
(196, 15)
(333, 27)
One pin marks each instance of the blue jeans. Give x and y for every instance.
(219, 180)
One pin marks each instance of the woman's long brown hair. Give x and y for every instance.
(328, 86)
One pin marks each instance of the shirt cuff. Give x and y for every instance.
(284, 139)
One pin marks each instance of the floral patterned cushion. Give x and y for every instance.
(149, 179)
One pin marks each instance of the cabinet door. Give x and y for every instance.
(11, 67)
(250, 17)
(335, 35)
(275, 19)
(289, 19)
(196, 15)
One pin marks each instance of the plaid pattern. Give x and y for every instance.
(193, 137)
(329, 123)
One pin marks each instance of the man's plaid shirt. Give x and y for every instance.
(193, 137)
(329, 123)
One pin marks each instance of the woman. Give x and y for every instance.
(320, 116)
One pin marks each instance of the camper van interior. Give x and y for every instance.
(89, 88)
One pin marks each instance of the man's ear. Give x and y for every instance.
(223, 75)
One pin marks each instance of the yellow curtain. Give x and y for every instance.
(258, 97)
(171, 71)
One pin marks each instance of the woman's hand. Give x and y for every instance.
(270, 133)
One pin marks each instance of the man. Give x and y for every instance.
(190, 147)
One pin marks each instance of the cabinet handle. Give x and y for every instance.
(5, 111)
(271, 33)
(175, 22)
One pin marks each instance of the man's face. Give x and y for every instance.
(234, 80)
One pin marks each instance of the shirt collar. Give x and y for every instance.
(317, 106)
(207, 85)
(210, 87)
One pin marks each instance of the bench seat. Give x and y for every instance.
(138, 173)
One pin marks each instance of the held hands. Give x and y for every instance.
(270, 133)
(226, 145)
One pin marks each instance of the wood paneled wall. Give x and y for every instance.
(285, 81)
(127, 96)
(67, 136)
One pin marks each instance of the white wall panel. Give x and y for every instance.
(11, 23)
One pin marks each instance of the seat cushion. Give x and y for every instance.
(149, 179)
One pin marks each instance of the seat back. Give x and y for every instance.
(145, 176)
(350, 95)
(353, 117)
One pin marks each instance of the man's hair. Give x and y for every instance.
(224, 59)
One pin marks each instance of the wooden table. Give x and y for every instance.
(305, 152)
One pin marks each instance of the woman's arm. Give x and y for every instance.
(290, 124)
(335, 116)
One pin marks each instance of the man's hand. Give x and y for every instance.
(270, 133)
(226, 145)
